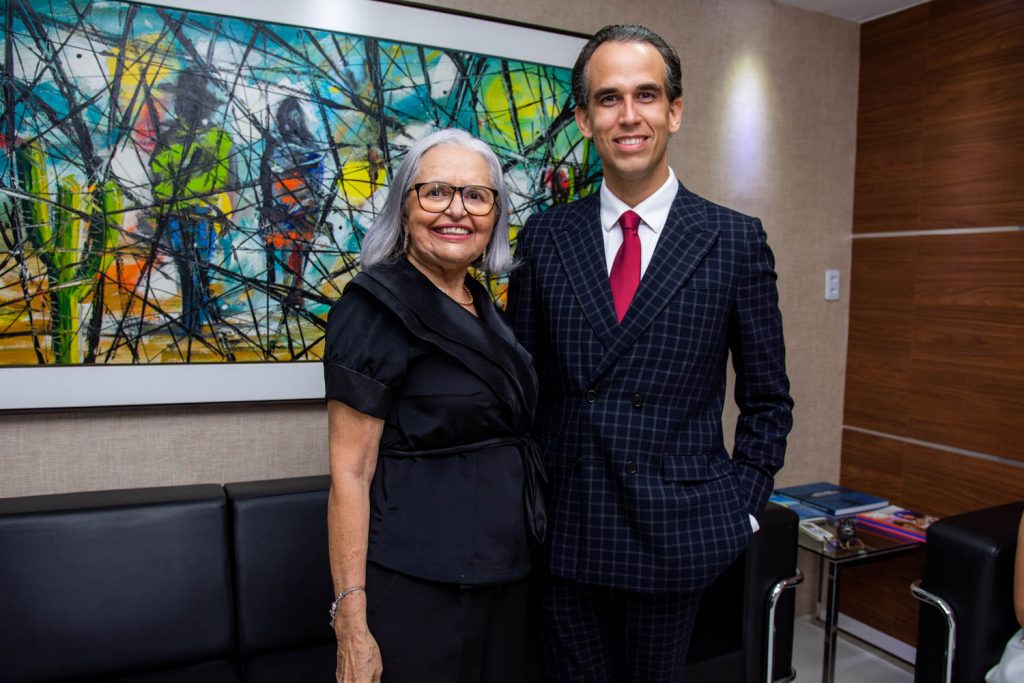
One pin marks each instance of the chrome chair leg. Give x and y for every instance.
(774, 594)
(947, 611)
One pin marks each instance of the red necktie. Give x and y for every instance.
(625, 275)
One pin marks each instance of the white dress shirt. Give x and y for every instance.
(653, 213)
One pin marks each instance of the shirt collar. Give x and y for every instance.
(653, 211)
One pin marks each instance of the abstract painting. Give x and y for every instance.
(179, 187)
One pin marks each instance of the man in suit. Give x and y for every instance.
(631, 301)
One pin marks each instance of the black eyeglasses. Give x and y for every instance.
(437, 197)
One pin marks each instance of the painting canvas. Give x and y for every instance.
(186, 188)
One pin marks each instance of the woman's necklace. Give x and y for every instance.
(469, 295)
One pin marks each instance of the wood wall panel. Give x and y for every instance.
(966, 384)
(936, 341)
(929, 480)
(936, 335)
(889, 122)
(973, 172)
(941, 118)
(976, 276)
(967, 377)
(943, 483)
(973, 134)
(874, 464)
(966, 33)
(879, 343)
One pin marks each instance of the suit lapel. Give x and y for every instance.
(581, 248)
(684, 242)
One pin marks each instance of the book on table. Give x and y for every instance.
(896, 522)
(832, 499)
(806, 513)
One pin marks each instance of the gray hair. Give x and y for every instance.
(384, 239)
(626, 33)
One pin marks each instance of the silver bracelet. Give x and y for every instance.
(341, 596)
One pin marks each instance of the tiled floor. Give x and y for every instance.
(856, 661)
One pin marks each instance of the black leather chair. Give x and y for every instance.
(967, 594)
(732, 632)
(131, 586)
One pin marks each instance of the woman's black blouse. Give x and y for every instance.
(457, 395)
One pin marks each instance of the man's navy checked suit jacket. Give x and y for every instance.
(644, 495)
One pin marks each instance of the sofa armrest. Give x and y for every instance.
(969, 564)
(771, 558)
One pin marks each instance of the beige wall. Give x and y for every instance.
(81, 450)
(800, 183)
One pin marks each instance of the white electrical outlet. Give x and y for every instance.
(831, 285)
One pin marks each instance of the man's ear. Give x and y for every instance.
(583, 121)
(675, 114)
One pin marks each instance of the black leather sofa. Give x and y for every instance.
(211, 584)
(967, 581)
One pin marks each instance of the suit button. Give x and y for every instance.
(577, 462)
(630, 467)
(590, 396)
(637, 401)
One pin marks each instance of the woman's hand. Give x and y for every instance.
(358, 656)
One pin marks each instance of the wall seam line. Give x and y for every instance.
(939, 233)
(939, 447)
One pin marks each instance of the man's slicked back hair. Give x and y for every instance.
(626, 33)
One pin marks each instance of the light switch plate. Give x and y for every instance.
(831, 285)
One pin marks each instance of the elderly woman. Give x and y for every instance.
(429, 398)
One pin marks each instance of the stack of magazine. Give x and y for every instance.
(895, 522)
(818, 504)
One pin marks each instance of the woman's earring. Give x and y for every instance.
(405, 242)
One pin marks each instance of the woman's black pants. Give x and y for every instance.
(433, 632)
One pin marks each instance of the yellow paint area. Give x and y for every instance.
(224, 205)
(146, 62)
(520, 93)
(356, 185)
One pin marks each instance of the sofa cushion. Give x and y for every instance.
(283, 577)
(100, 583)
(308, 665)
(208, 672)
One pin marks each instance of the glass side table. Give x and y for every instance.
(866, 548)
